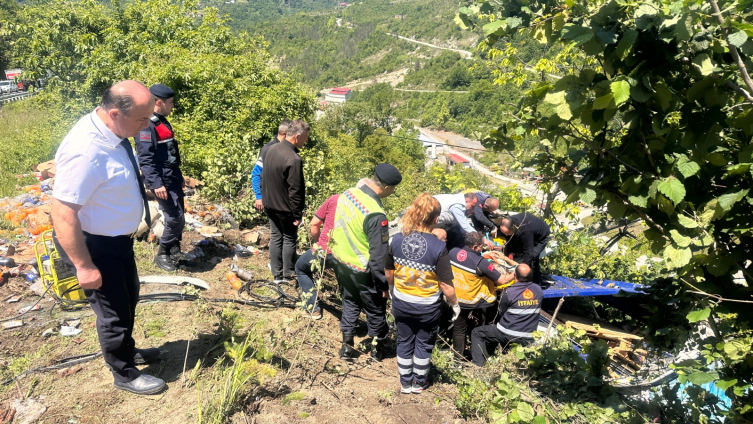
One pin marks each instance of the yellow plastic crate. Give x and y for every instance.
(53, 271)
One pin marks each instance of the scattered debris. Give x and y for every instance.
(69, 331)
(78, 340)
(13, 299)
(178, 280)
(48, 332)
(65, 372)
(13, 324)
(73, 323)
(28, 410)
(6, 415)
(30, 308)
(209, 231)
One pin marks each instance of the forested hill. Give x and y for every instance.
(328, 44)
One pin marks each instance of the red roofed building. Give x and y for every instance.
(454, 159)
(338, 95)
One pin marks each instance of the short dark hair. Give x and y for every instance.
(474, 238)
(523, 276)
(121, 102)
(297, 127)
(469, 195)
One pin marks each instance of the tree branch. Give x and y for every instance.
(735, 54)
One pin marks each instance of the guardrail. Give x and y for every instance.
(7, 98)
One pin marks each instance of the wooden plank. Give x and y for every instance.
(606, 330)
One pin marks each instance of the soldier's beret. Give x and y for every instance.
(388, 174)
(162, 91)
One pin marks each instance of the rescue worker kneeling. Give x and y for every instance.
(519, 310)
(417, 269)
(476, 283)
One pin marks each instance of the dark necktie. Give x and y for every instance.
(129, 150)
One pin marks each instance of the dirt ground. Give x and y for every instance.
(327, 390)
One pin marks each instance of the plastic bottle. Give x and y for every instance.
(243, 274)
(234, 280)
(241, 251)
(7, 262)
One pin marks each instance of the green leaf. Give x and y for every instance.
(687, 222)
(640, 93)
(621, 91)
(577, 34)
(726, 201)
(493, 27)
(564, 112)
(603, 102)
(679, 239)
(700, 378)
(555, 97)
(723, 385)
(641, 201)
(740, 168)
(688, 168)
(663, 95)
(699, 315)
(703, 63)
(738, 39)
(677, 258)
(737, 349)
(526, 412)
(539, 420)
(673, 189)
(587, 195)
(616, 208)
(626, 43)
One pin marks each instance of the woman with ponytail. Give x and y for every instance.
(419, 272)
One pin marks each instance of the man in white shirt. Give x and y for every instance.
(456, 208)
(98, 203)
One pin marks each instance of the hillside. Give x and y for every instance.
(329, 45)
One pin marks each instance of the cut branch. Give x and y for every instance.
(735, 55)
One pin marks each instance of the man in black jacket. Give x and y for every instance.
(282, 130)
(159, 160)
(526, 239)
(284, 192)
(519, 310)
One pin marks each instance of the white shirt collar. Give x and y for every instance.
(107, 135)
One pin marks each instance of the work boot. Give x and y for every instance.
(346, 351)
(377, 349)
(175, 253)
(163, 260)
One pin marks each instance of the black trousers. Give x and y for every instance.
(282, 243)
(464, 325)
(173, 208)
(114, 303)
(485, 339)
(455, 236)
(416, 336)
(358, 293)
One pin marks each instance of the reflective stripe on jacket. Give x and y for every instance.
(416, 256)
(351, 243)
(473, 290)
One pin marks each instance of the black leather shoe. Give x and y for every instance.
(144, 385)
(176, 254)
(164, 262)
(145, 356)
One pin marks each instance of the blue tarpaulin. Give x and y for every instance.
(571, 287)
